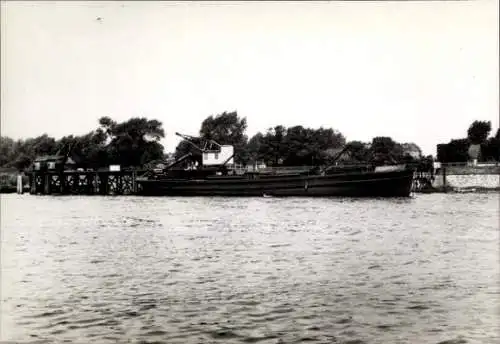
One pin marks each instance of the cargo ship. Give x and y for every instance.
(216, 176)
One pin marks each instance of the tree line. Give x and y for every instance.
(459, 150)
(131, 143)
(136, 143)
(298, 145)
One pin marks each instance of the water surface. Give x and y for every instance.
(248, 270)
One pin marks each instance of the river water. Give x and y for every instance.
(248, 270)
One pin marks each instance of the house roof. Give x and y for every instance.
(46, 158)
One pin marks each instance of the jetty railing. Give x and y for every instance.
(102, 182)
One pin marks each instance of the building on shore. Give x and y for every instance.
(53, 163)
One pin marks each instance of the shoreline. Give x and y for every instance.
(477, 190)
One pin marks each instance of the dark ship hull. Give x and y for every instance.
(357, 184)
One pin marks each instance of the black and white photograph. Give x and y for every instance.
(231, 172)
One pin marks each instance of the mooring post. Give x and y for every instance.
(134, 185)
(119, 183)
(89, 186)
(96, 183)
(32, 181)
(62, 181)
(20, 186)
(46, 184)
(103, 189)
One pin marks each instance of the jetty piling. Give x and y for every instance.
(83, 182)
(20, 186)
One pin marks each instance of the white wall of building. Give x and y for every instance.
(218, 158)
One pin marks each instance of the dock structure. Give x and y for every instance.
(124, 182)
(422, 181)
(441, 178)
(59, 175)
(63, 175)
(83, 182)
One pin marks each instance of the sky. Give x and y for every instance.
(416, 71)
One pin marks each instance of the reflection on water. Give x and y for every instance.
(203, 270)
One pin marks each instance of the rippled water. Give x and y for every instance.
(247, 270)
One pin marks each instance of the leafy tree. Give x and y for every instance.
(227, 129)
(22, 162)
(478, 131)
(457, 150)
(88, 150)
(276, 144)
(306, 146)
(358, 152)
(295, 145)
(21, 153)
(44, 145)
(7, 150)
(254, 147)
(385, 150)
(272, 146)
(490, 150)
(323, 141)
(299, 143)
(107, 125)
(133, 142)
(442, 150)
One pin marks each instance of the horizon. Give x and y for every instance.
(417, 72)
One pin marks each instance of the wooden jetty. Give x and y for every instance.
(58, 175)
(83, 183)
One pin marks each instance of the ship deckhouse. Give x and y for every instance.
(222, 156)
(212, 153)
